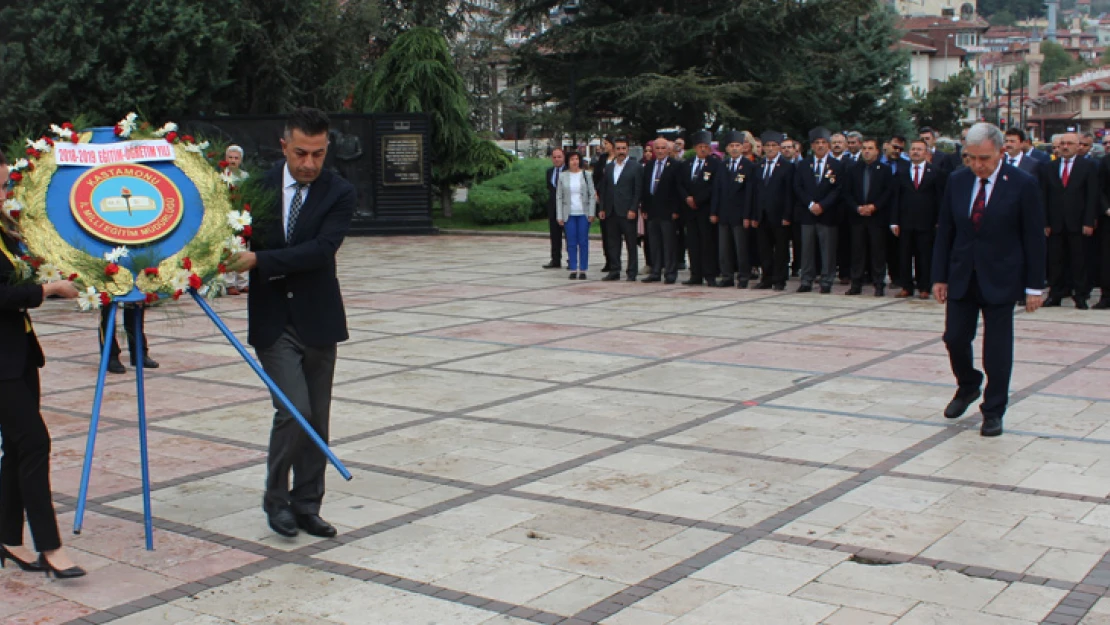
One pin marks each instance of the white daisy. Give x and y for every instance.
(89, 300)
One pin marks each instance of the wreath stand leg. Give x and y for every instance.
(94, 421)
(308, 429)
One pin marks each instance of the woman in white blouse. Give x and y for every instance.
(574, 208)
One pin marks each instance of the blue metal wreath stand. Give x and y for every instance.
(136, 299)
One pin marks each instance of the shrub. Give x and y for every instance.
(498, 206)
(523, 178)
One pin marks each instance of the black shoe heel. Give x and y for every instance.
(70, 573)
(6, 555)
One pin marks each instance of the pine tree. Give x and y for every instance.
(720, 63)
(418, 75)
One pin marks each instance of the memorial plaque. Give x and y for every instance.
(402, 160)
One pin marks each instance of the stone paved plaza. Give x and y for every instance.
(528, 449)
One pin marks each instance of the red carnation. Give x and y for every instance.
(25, 258)
(222, 164)
(72, 277)
(151, 271)
(32, 152)
(194, 281)
(171, 136)
(67, 126)
(151, 298)
(118, 131)
(186, 264)
(15, 214)
(105, 299)
(111, 270)
(222, 268)
(36, 262)
(15, 176)
(188, 139)
(176, 295)
(76, 138)
(48, 140)
(247, 207)
(247, 232)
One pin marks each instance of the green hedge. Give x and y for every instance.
(498, 206)
(523, 183)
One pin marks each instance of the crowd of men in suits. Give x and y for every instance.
(855, 210)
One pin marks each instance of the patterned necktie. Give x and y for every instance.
(979, 208)
(295, 211)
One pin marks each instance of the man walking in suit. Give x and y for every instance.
(817, 184)
(697, 184)
(774, 203)
(661, 205)
(1014, 157)
(1071, 195)
(731, 212)
(867, 195)
(989, 253)
(919, 190)
(554, 229)
(296, 315)
(620, 203)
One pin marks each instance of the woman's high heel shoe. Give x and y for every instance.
(70, 573)
(26, 566)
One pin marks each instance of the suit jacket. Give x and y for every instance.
(623, 195)
(826, 192)
(701, 189)
(774, 197)
(735, 193)
(1028, 164)
(1039, 155)
(1007, 254)
(665, 202)
(916, 209)
(17, 349)
(551, 190)
(295, 284)
(879, 192)
(1077, 205)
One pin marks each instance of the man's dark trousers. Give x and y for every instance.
(962, 317)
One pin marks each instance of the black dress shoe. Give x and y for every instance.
(855, 290)
(805, 288)
(1052, 301)
(609, 277)
(725, 283)
(630, 279)
(652, 279)
(880, 291)
(573, 275)
(691, 282)
(283, 522)
(115, 366)
(1102, 304)
(315, 526)
(70, 573)
(582, 275)
(779, 287)
(743, 284)
(6, 555)
(553, 265)
(670, 281)
(958, 406)
(762, 285)
(148, 363)
(992, 426)
(1080, 304)
(711, 282)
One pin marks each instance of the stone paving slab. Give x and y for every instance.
(527, 449)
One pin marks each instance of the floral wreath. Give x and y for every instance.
(45, 257)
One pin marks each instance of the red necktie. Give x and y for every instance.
(980, 205)
(1067, 170)
(916, 176)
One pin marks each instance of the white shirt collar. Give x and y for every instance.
(289, 180)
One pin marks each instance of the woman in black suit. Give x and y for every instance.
(25, 464)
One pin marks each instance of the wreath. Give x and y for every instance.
(225, 229)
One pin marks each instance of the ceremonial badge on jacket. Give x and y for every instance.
(830, 176)
(707, 175)
(740, 178)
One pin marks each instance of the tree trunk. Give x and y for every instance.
(446, 199)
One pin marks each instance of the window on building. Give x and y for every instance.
(1106, 102)
(1096, 102)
